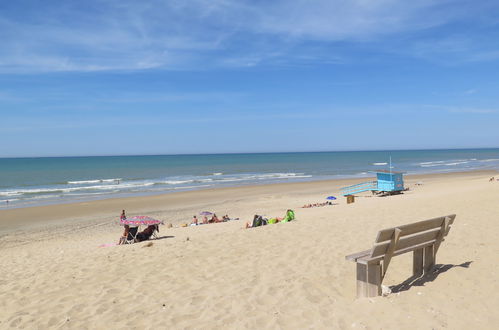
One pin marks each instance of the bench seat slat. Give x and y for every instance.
(386, 234)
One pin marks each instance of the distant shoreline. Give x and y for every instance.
(152, 194)
(174, 203)
(51, 181)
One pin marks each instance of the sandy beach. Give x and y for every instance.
(55, 274)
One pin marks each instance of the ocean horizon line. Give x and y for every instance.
(251, 153)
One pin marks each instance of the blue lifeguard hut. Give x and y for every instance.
(387, 182)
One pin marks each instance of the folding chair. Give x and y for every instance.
(132, 235)
(155, 233)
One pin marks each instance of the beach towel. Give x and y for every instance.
(108, 245)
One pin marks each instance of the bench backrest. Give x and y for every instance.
(407, 238)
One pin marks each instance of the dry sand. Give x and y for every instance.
(53, 274)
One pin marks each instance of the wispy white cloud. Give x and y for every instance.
(463, 110)
(470, 91)
(132, 35)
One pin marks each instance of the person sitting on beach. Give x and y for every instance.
(123, 215)
(491, 179)
(147, 233)
(128, 234)
(205, 220)
(123, 237)
(215, 219)
(194, 221)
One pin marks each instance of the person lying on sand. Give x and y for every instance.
(307, 206)
(258, 220)
(214, 219)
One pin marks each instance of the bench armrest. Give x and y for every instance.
(355, 256)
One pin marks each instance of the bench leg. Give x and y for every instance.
(374, 280)
(417, 263)
(368, 280)
(429, 259)
(361, 280)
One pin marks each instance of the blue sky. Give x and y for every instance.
(209, 76)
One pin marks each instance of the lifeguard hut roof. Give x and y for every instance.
(388, 172)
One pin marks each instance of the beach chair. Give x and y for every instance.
(155, 233)
(132, 235)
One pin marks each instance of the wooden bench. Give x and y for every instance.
(423, 238)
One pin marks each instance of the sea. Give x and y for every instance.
(28, 182)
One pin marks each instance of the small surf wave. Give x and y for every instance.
(173, 182)
(95, 181)
(193, 187)
(456, 163)
(380, 164)
(433, 162)
(489, 160)
(444, 163)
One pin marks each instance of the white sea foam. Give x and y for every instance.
(489, 160)
(380, 164)
(95, 181)
(35, 191)
(432, 163)
(267, 176)
(192, 187)
(444, 163)
(173, 182)
(456, 163)
(10, 193)
(217, 173)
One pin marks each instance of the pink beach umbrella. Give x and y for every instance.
(140, 220)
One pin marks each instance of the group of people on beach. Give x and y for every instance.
(214, 219)
(307, 206)
(130, 233)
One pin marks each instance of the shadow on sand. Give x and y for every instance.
(421, 280)
(162, 237)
